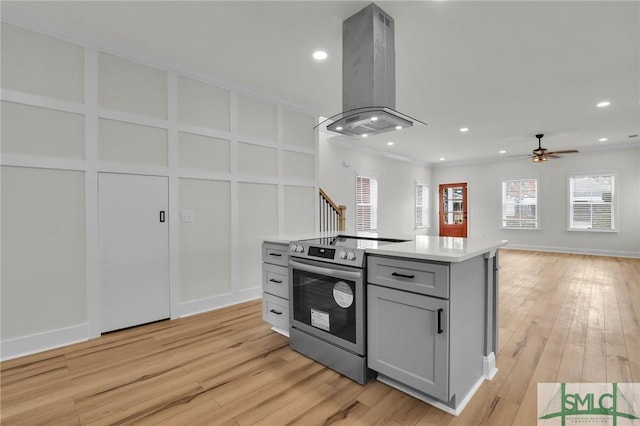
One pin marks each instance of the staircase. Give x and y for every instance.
(332, 216)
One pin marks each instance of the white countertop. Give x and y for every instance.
(443, 249)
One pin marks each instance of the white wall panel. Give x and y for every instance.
(202, 104)
(204, 153)
(131, 143)
(127, 86)
(38, 64)
(297, 129)
(227, 154)
(43, 251)
(257, 160)
(205, 243)
(29, 130)
(299, 209)
(299, 166)
(257, 118)
(257, 216)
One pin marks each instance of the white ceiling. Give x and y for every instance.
(506, 70)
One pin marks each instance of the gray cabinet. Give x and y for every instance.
(426, 324)
(408, 339)
(275, 286)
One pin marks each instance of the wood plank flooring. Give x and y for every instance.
(563, 317)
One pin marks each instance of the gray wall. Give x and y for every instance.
(485, 179)
(339, 164)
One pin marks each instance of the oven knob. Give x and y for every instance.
(351, 256)
(343, 254)
(292, 247)
(299, 249)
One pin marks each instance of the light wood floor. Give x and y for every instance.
(563, 318)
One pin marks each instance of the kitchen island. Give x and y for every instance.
(431, 311)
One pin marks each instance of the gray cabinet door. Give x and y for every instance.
(404, 341)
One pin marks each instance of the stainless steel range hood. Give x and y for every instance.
(368, 77)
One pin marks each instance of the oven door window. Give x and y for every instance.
(325, 303)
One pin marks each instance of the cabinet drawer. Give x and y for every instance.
(427, 278)
(275, 253)
(275, 310)
(275, 280)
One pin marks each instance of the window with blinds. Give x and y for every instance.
(422, 205)
(520, 203)
(366, 203)
(592, 202)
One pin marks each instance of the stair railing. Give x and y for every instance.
(332, 216)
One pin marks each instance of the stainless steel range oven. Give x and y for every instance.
(327, 302)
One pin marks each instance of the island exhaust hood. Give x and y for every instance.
(368, 77)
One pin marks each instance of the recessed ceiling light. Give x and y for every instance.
(390, 143)
(339, 128)
(503, 152)
(441, 158)
(603, 140)
(374, 118)
(398, 127)
(603, 104)
(320, 55)
(464, 129)
(364, 135)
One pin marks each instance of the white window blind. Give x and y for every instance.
(592, 202)
(520, 203)
(422, 205)
(366, 203)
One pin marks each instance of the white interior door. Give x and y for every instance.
(134, 249)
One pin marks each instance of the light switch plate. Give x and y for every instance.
(186, 216)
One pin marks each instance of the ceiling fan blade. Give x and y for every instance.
(553, 155)
(566, 151)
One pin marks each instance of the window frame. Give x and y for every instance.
(425, 205)
(374, 207)
(613, 202)
(503, 183)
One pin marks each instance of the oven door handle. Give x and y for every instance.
(338, 273)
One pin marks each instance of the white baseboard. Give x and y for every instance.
(489, 372)
(572, 250)
(489, 369)
(285, 333)
(199, 306)
(425, 398)
(27, 345)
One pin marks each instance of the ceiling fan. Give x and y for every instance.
(543, 154)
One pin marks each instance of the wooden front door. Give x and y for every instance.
(453, 209)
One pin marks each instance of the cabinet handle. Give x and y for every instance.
(161, 215)
(395, 274)
(275, 281)
(273, 311)
(440, 321)
(275, 254)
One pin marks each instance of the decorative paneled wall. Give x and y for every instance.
(245, 164)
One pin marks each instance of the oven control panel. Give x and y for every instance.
(323, 252)
(344, 256)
